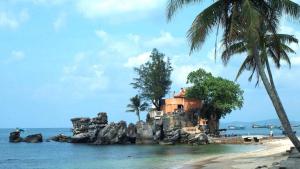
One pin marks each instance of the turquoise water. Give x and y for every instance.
(52, 155)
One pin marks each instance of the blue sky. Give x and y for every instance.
(61, 59)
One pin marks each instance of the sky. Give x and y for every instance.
(61, 59)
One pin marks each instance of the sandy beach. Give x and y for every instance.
(273, 151)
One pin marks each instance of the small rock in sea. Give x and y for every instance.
(60, 138)
(14, 137)
(35, 138)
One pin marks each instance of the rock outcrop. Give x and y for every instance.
(144, 133)
(198, 139)
(34, 138)
(114, 133)
(80, 125)
(131, 133)
(85, 130)
(15, 137)
(166, 130)
(60, 138)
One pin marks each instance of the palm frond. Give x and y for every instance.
(203, 25)
(174, 5)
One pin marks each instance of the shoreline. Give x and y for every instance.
(273, 151)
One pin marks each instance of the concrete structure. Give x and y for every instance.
(154, 114)
(179, 103)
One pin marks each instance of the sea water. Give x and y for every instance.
(54, 155)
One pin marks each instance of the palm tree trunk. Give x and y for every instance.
(138, 114)
(276, 101)
(270, 75)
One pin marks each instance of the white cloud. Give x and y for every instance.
(48, 2)
(60, 22)
(11, 21)
(102, 34)
(180, 72)
(15, 56)
(166, 39)
(137, 60)
(295, 60)
(84, 76)
(119, 8)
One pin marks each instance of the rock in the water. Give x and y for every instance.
(114, 133)
(60, 138)
(144, 133)
(14, 137)
(80, 138)
(35, 138)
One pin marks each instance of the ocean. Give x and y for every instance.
(53, 155)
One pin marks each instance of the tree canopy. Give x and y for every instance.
(154, 78)
(219, 96)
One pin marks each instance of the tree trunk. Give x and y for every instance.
(213, 124)
(276, 102)
(138, 114)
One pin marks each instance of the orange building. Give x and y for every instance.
(180, 103)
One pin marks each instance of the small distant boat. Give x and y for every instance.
(271, 126)
(296, 125)
(232, 127)
(259, 126)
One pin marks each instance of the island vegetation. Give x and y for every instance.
(137, 106)
(219, 97)
(154, 78)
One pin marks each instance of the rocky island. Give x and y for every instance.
(169, 129)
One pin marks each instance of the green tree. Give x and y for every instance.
(153, 81)
(244, 19)
(137, 106)
(219, 96)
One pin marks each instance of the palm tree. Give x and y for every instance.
(274, 46)
(247, 20)
(136, 106)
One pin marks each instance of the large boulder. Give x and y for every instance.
(34, 138)
(172, 136)
(198, 139)
(114, 133)
(14, 137)
(144, 133)
(131, 133)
